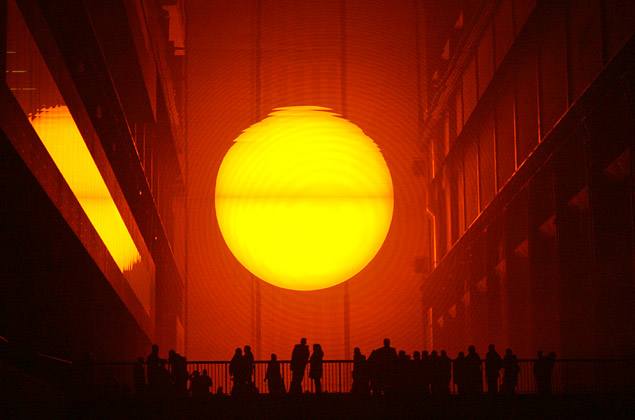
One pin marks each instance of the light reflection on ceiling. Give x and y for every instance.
(59, 134)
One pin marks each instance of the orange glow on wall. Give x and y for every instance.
(304, 199)
(59, 134)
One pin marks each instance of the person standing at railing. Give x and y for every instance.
(512, 369)
(360, 373)
(543, 369)
(299, 359)
(382, 363)
(493, 364)
(180, 375)
(460, 375)
(401, 372)
(445, 366)
(415, 377)
(164, 381)
(273, 376)
(425, 372)
(235, 371)
(153, 368)
(473, 372)
(315, 370)
(200, 384)
(206, 382)
(434, 369)
(193, 378)
(248, 368)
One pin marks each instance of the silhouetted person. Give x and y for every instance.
(493, 364)
(315, 369)
(543, 369)
(460, 373)
(153, 365)
(382, 364)
(473, 372)
(425, 371)
(247, 367)
(165, 385)
(179, 371)
(273, 376)
(172, 358)
(139, 376)
(401, 372)
(510, 376)
(299, 359)
(360, 373)
(194, 382)
(445, 372)
(200, 384)
(235, 365)
(435, 370)
(415, 373)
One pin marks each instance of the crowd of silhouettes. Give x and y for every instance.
(385, 371)
(166, 377)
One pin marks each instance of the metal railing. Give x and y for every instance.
(568, 377)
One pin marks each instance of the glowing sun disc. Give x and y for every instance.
(304, 199)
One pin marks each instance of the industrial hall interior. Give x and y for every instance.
(477, 187)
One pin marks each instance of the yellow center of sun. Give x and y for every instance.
(304, 198)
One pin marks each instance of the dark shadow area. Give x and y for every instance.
(334, 406)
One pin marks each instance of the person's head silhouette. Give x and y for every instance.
(303, 341)
(386, 342)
